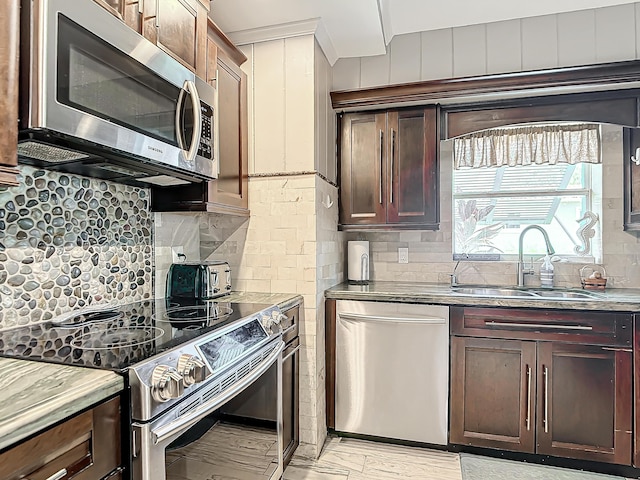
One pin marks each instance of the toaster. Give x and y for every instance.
(204, 280)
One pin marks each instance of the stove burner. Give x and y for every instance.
(107, 339)
(80, 319)
(197, 313)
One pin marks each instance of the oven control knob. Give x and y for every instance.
(166, 383)
(266, 321)
(192, 369)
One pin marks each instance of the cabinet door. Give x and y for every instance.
(87, 446)
(492, 393)
(412, 149)
(584, 402)
(179, 27)
(290, 400)
(9, 42)
(231, 187)
(362, 167)
(130, 12)
(631, 141)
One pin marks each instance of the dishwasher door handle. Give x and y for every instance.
(418, 320)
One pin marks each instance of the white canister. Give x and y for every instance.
(358, 262)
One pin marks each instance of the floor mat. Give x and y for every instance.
(483, 468)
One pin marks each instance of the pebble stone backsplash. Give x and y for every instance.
(67, 242)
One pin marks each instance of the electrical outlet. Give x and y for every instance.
(403, 255)
(177, 254)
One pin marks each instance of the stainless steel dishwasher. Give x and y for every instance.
(392, 370)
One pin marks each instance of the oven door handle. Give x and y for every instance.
(164, 432)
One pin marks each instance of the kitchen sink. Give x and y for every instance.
(527, 293)
(569, 294)
(493, 292)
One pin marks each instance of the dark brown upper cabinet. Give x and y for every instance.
(229, 192)
(179, 27)
(9, 54)
(389, 170)
(631, 159)
(130, 12)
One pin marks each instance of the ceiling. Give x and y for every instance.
(360, 28)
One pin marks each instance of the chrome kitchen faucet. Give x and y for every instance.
(520, 268)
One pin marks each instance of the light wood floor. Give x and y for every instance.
(231, 452)
(351, 459)
(244, 453)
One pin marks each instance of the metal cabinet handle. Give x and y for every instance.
(57, 476)
(140, 7)
(546, 400)
(381, 319)
(157, 13)
(381, 167)
(528, 421)
(290, 354)
(539, 325)
(393, 156)
(288, 329)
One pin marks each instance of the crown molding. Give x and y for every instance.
(275, 32)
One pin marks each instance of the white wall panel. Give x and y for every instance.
(247, 67)
(374, 71)
(469, 50)
(437, 54)
(269, 104)
(577, 38)
(504, 47)
(346, 74)
(539, 42)
(615, 33)
(405, 53)
(325, 118)
(299, 104)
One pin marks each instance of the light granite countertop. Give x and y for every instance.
(616, 299)
(283, 300)
(36, 395)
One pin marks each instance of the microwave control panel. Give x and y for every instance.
(205, 149)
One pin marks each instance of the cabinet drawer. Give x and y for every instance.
(83, 448)
(594, 328)
(291, 325)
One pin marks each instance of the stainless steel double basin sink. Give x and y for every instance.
(527, 293)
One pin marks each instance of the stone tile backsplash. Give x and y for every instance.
(68, 242)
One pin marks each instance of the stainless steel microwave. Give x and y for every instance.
(98, 99)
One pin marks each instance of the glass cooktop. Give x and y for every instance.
(115, 338)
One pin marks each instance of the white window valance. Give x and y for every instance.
(529, 145)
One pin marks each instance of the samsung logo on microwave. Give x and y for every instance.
(154, 149)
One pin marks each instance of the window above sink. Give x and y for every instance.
(503, 184)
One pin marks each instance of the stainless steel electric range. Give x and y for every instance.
(181, 362)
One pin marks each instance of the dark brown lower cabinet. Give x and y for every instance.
(552, 396)
(492, 383)
(85, 447)
(584, 402)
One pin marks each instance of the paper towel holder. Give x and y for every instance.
(358, 273)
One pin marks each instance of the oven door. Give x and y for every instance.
(94, 79)
(195, 438)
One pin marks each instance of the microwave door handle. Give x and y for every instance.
(179, 118)
(197, 112)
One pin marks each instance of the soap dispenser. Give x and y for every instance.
(546, 272)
